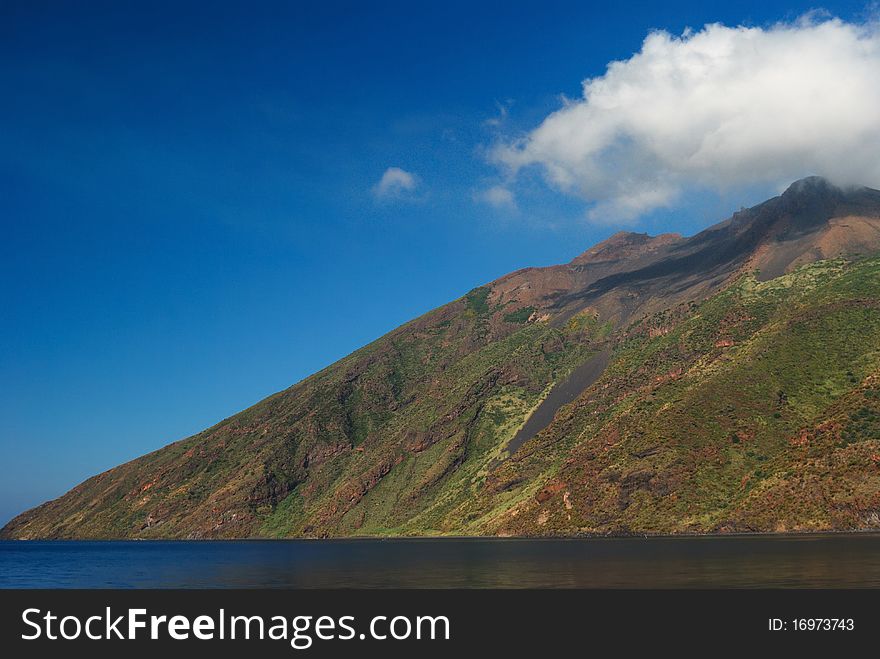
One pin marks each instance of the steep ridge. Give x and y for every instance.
(812, 220)
(497, 413)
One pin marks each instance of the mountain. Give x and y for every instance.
(728, 381)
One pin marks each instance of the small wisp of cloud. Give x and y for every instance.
(714, 109)
(501, 117)
(498, 197)
(396, 183)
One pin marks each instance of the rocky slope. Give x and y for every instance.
(727, 381)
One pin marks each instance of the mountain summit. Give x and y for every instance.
(727, 381)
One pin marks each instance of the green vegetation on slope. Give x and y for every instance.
(754, 409)
(391, 439)
(706, 420)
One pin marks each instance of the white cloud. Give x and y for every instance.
(715, 109)
(395, 182)
(497, 196)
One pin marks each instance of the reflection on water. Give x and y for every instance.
(851, 560)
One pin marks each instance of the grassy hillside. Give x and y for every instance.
(755, 409)
(385, 441)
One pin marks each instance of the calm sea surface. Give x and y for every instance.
(701, 562)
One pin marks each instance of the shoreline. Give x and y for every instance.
(518, 538)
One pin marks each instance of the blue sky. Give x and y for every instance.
(189, 202)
